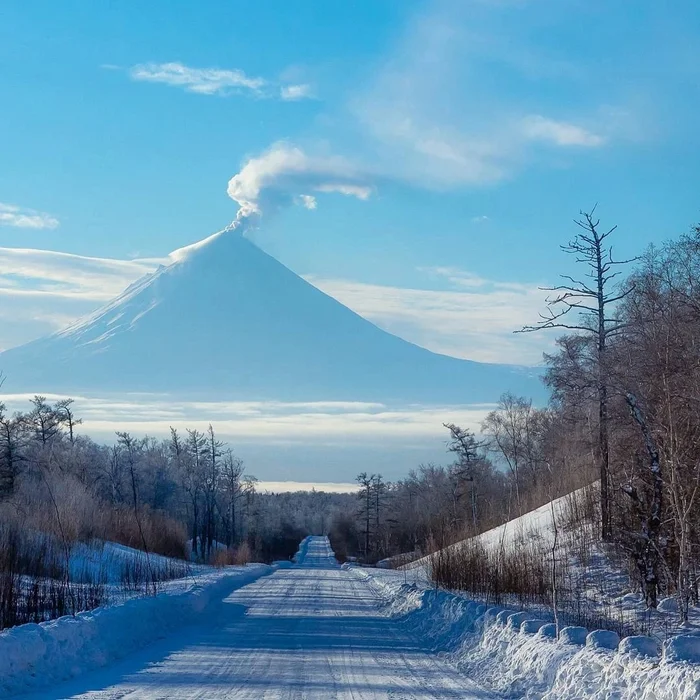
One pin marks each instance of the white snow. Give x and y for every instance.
(506, 659)
(573, 635)
(318, 630)
(108, 562)
(603, 639)
(536, 525)
(310, 631)
(599, 587)
(684, 647)
(35, 655)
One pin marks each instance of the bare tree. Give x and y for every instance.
(132, 447)
(365, 495)
(232, 471)
(593, 301)
(12, 454)
(192, 479)
(512, 431)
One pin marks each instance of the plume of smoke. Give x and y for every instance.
(285, 175)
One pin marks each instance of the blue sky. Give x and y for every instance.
(478, 127)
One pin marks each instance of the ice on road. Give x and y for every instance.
(312, 631)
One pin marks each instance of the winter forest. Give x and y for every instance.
(621, 430)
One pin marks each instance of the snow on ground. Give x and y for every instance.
(535, 525)
(499, 655)
(598, 588)
(317, 630)
(34, 655)
(310, 631)
(111, 563)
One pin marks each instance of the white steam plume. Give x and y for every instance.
(285, 175)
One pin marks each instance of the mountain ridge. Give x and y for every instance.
(225, 318)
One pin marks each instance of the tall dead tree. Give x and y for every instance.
(593, 302)
(365, 495)
(379, 491)
(232, 491)
(132, 449)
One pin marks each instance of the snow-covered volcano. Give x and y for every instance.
(226, 320)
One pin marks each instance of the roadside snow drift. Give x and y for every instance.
(35, 655)
(516, 654)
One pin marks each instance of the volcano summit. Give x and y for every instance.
(226, 320)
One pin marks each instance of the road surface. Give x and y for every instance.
(312, 631)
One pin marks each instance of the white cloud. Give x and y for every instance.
(360, 191)
(30, 271)
(205, 81)
(292, 93)
(42, 291)
(292, 486)
(17, 217)
(272, 421)
(480, 219)
(215, 81)
(476, 322)
(558, 133)
(437, 112)
(308, 201)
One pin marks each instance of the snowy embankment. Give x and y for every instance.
(517, 655)
(593, 581)
(34, 655)
(535, 525)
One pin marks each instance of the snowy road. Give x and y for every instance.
(313, 631)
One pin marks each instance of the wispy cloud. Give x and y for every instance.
(540, 128)
(42, 291)
(274, 421)
(474, 320)
(205, 81)
(31, 271)
(18, 217)
(292, 486)
(216, 81)
(437, 112)
(292, 93)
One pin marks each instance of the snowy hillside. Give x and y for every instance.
(226, 319)
(594, 583)
(535, 526)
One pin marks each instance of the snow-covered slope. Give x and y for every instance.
(537, 525)
(226, 319)
(594, 582)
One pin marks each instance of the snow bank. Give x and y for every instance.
(35, 655)
(639, 645)
(498, 649)
(603, 639)
(683, 648)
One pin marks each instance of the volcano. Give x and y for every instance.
(227, 321)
